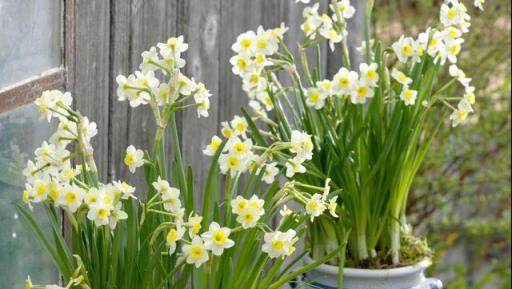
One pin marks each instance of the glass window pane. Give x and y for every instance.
(30, 38)
(21, 132)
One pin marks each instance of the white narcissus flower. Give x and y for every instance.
(71, 197)
(479, 4)
(202, 99)
(369, 75)
(264, 43)
(99, 213)
(39, 190)
(315, 206)
(174, 235)
(460, 115)
(302, 145)
(134, 158)
(163, 94)
(185, 85)
(226, 129)
(241, 64)
(245, 43)
(125, 87)
(195, 225)
(460, 75)
(116, 215)
(361, 92)
(408, 95)
(238, 147)
(217, 239)
(171, 52)
(454, 13)
(469, 95)
(170, 195)
(285, 211)
(88, 128)
(150, 60)
(344, 81)
(451, 50)
(211, 149)
(400, 77)
(231, 162)
(404, 48)
(294, 166)
(314, 98)
(270, 173)
(332, 206)
(333, 36)
(52, 103)
(279, 244)
(239, 125)
(239, 204)
(196, 252)
(249, 217)
(344, 8)
(124, 190)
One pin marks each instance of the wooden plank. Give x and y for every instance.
(29, 89)
(236, 17)
(137, 25)
(203, 35)
(90, 82)
(119, 64)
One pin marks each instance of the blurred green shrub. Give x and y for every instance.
(461, 198)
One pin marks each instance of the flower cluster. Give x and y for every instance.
(442, 45)
(253, 51)
(330, 28)
(144, 87)
(240, 155)
(345, 84)
(51, 177)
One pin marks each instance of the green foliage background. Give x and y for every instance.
(461, 198)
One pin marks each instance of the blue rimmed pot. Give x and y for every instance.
(409, 277)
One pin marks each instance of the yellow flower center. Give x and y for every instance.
(314, 97)
(242, 205)
(262, 43)
(409, 95)
(248, 217)
(344, 82)
(172, 236)
(407, 49)
(227, 132)
(41, 189)
(219, 238)
(277, 245)
(215, 143)
(233, 162)
(71, 197)
(54, 192)
(454, 49)
(196, 251)
(246, 43)
(451, 13)
(362, 91)
(129, 159)
(196, 227)
(371, 74)
(260, 59)
(240, 127)
(103, 213)
(240, 147)
(171, 42)
(241, 63)
(462, 115)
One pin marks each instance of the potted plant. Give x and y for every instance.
(368, 129)
(164, 238)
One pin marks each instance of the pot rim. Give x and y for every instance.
(372, 273)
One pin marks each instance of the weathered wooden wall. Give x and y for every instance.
(109, 38)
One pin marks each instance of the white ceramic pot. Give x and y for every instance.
(410, 277)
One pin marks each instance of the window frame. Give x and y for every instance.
(27, 90)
